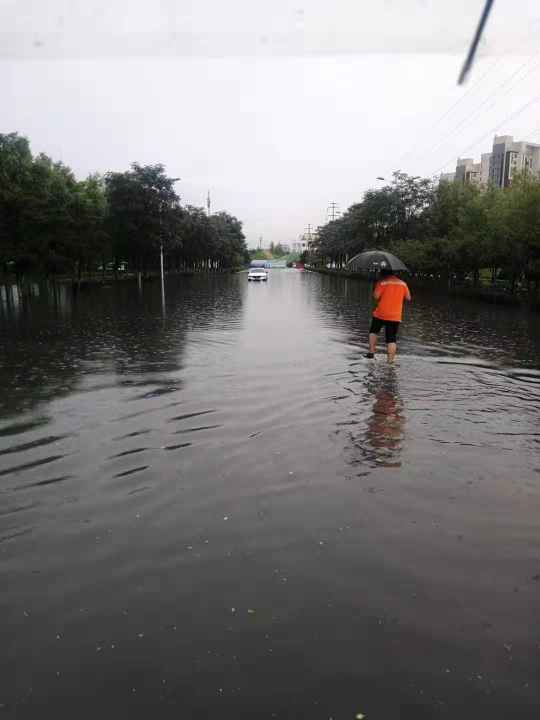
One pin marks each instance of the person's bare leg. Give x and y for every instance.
(391, 349)
(372, 342)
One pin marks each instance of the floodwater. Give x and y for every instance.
(223, 510)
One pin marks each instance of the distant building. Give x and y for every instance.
(485, 160)
(447, 177)
(467, 171)
(300, 245)
(500, 165)
(509, 157)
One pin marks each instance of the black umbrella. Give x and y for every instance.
(376, 260)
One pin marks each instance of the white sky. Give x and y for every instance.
(278, 107)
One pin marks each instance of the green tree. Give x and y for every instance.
(142, 213)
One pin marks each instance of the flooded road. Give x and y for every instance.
(226, 511)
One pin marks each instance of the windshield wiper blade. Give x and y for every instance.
(474, 45)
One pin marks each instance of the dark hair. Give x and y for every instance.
(385, 272)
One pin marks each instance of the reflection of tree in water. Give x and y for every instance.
(38, 362)
(145, 342)
(51, 341)
(346, 304)
(378, 439)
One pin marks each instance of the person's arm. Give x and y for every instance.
(407, 293)
(378, 291)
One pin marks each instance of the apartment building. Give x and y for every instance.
(509, 157)
(467, 171)
(500, 165)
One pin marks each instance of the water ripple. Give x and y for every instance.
(31, 465)
(132, 471)
(22, 447)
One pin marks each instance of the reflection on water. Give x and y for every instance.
(375, 422)
(385, 426)
(229, 512)
(54, 340)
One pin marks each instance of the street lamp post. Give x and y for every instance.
(162, 273)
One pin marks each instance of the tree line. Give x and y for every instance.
(51, 223)
(448, 230)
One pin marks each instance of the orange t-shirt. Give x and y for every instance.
(390, 292)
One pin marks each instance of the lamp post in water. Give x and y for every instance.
(162, 278)
(162, 273)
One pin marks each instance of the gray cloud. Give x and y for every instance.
(276, 133)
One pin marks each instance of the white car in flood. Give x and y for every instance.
(257, 274)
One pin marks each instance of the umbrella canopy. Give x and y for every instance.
(376, 260)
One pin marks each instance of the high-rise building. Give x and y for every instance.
(485, 160)
(509, 157)
(500, 165)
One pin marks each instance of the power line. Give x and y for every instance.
(467, 120)
(490, 132)
(532, 133)
(447, 112)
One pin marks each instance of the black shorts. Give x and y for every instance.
(391, 328)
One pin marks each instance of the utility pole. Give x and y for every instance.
(332, 211)
(208, 203)
(260, 242)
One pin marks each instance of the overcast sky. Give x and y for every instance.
(277, 107)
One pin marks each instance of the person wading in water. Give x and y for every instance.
(390, 292)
